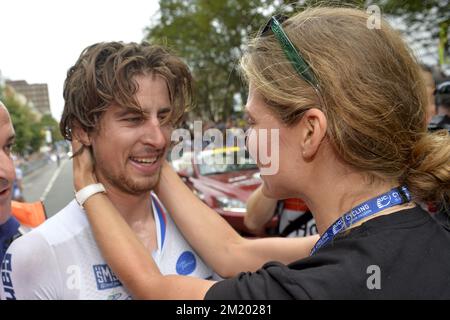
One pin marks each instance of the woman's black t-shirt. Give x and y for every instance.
(403, 255)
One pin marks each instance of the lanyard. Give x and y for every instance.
(394, 197)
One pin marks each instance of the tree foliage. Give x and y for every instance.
(210, 35)
(48, 122)
(428, 23)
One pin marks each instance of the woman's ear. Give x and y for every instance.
(313, 128)
(81, 135)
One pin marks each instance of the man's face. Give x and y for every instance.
(129, 147)
(7, 172)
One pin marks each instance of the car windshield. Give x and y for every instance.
(224, 160)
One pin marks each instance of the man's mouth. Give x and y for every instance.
(4, 191)
(146, 160)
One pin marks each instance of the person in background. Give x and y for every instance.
(294, 218)
(442, 94)
(18, 182)
(427, 75)
(9, 226)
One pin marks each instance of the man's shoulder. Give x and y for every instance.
(68, 223)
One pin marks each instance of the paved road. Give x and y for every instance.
(52, 184)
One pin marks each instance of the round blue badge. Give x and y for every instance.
(186, 263)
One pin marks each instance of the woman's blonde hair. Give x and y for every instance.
(370, 90)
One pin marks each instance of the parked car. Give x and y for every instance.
(223, 185)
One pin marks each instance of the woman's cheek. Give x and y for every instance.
(252, 144)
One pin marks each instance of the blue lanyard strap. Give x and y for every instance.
(394, 197)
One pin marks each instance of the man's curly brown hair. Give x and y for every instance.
(105, 74)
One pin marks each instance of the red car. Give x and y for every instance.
(224, 187)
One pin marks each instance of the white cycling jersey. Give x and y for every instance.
(61, 260)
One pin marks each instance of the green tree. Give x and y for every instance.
(48, 122)
(428, 22)
(209, 35)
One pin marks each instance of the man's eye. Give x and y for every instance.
(164, 118)
(134, 119)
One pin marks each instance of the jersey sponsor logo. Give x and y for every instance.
(119, 296)
(186, 263)
(105, 278)
(162, 220)
(115, 296)
(8, 288)
(383, 201)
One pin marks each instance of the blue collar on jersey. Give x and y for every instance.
(7, 231)
(162, 220)
(394, 197)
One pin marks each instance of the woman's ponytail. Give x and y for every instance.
(428, 174)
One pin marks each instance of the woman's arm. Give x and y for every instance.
(260, 210)
(215, 240)
(122, 250)
(131, 262)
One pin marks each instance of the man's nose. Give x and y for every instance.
(7, 171)
(154, 134)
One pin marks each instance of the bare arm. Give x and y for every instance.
(260, 210)
(215, 240)
(131, 262)
(124, 253)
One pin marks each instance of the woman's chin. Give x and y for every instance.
(268, 192)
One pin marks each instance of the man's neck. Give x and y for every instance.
(4, 217)
(133, 208)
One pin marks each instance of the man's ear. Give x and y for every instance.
(81, 135)
(313, 128)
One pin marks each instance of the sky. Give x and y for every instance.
(41, 39)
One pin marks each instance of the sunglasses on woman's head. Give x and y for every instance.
(291, 52)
